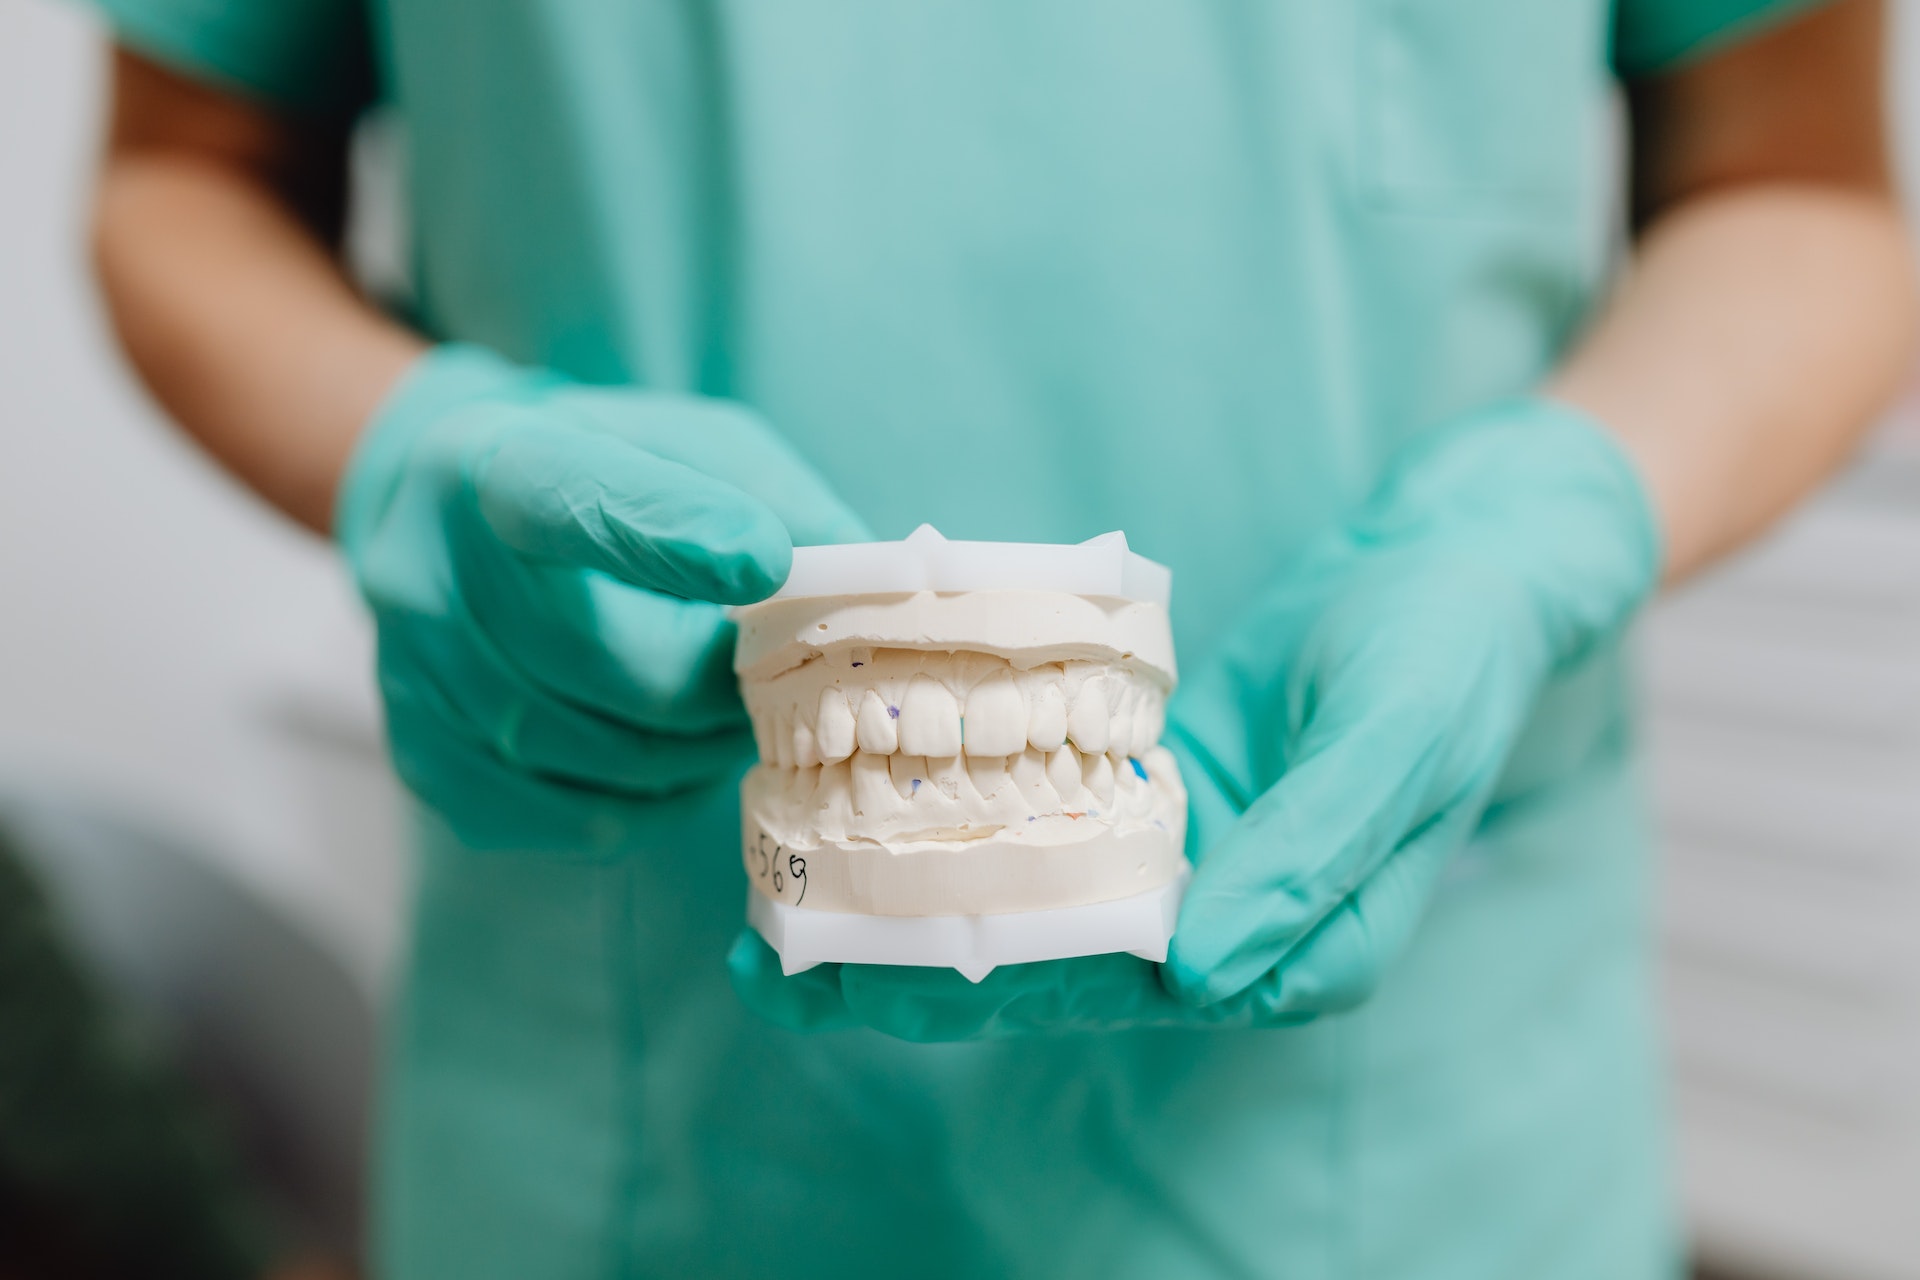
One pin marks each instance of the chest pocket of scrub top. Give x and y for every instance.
(1479, 106)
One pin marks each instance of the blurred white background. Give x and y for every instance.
(173, 649)
(179, 661)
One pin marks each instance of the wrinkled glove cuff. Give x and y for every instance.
(1555, 499)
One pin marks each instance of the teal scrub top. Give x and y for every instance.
(1026, 269)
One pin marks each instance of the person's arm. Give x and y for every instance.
(216, 225)
(1770, 311)
(545, 561)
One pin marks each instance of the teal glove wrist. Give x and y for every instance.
(546, 565)
(1339, 746)
(1351, 732)
(445, 379)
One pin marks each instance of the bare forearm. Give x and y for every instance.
(1769, 313)
(1758, 334)
(239, 318)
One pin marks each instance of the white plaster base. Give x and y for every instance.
(974, 945)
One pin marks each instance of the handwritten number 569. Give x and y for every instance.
(796, 869)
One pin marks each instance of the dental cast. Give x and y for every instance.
(935, 753)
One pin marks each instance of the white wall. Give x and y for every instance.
(172, 649)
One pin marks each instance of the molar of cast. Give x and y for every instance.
(763, 736)
(1136, 796)
(1149, 722)
(877, 731)
(803, 782)
(1047, 718)
(929, 720)
(782, 736)
(835, 789)
(996, 718)
(833, 727)
(1087, 722)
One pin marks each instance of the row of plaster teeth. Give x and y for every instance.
(1106, 714)
(1044, 782)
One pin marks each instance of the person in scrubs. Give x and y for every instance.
(1358, 315)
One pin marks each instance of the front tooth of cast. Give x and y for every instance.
(1063, 771)
(873, 793)
(987, 773)
(833, 727)
(929, 720)
(763, 737)
(805, 752)
(1029, 770)
(947, 774)
(1087, 717)
(909, 774)
(1047, 720)
(996, 718)
(878, 731)
(1096, 771)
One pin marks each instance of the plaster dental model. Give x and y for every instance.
(959, 754)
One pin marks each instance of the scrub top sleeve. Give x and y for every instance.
(1650, 36)
(309, 57)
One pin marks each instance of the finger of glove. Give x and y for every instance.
(729, 442)
(1361, 780)
(806, 1002)
(590, 500)
(656, 662)
(1339, 965)
(450, 668)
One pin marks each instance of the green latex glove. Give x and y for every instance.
(546, 564)
(1340, 746)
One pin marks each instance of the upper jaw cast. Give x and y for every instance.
(907, 702)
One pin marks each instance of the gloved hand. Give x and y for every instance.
(1343, 742)
(546, 564)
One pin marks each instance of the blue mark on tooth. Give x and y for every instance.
(1139, 770)
(893, 712)
(915, 789)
